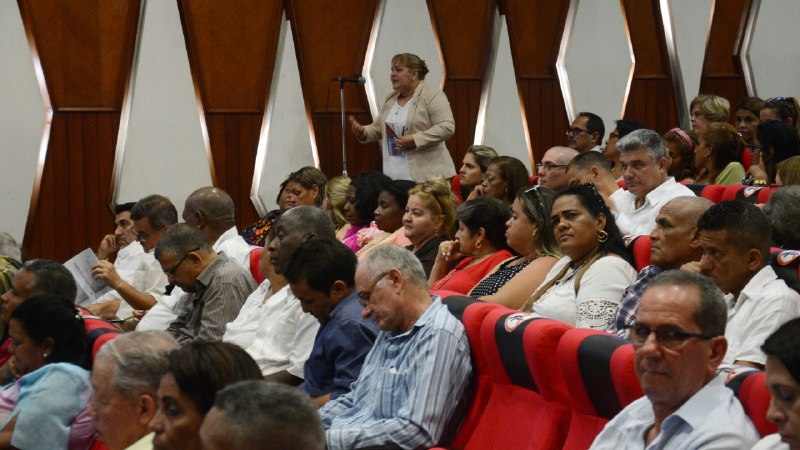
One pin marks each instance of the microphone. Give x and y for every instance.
(356, 80)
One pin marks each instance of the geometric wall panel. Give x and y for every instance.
(232, 47)
(599, 61)
(165, 151)
(690, 20)
(285, 144)
(22, 118)
(86, 51)
(504, 125)
(774, 53)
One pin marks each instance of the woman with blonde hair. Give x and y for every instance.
(414, 123)
(429, 219)
(707, 109)
(335, 198)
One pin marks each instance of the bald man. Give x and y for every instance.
(553, 168)
(675, 245)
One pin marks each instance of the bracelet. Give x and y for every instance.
(759, 182)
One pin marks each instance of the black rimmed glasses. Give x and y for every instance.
(669, 337)
(576, 130)
(549, 166)
(171, 272)
(364, 296)
(144, 237)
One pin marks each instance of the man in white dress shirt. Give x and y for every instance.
(151, 216)
(211, 210)
(678, 344)
(586, 133)
(643, 157)
(284, 335)
(735, 238)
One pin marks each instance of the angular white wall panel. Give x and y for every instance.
(691, 20)
(22, 122)
(599, 61)
(165, 151)
(504, 128)
(774, 53)
(285, 143)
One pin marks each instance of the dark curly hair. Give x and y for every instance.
(55, 317)
(368, 187)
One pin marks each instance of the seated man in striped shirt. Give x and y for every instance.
(414, 377)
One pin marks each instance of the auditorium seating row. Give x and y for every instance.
(785, 263)
(721, 192)
(542, 384)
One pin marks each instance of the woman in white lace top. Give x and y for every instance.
(584, 287)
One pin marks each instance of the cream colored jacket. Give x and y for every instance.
(430, 122)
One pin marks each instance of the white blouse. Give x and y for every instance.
(599, 293)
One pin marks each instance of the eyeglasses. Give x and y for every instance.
(786, 102)
(171, 272)
(537, 194)
(364, 296)
(576, 130)
(598, 198)
(549, 166)
(143, 237)
(671, 338)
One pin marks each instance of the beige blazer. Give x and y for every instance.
(430, 122)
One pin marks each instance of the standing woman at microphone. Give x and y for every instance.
(414, 123)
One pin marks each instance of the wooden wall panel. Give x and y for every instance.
(232, 49)
(466, 55)
(330, 42)
(651, 99)
(535, 28)
(86, 51)
(722, 69)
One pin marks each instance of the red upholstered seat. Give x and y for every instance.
(712, 192)
(255, 269)
(598, 370)
(99, 330)
(639, 248)
(752, 392)
(786, 264)
(525, 409)
(747, 158)
(749, 194)
(472, 312)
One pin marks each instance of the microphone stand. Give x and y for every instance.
(344, 143)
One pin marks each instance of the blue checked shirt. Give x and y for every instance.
(408, 388)
(629, 305)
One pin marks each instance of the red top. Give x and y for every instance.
(462, 279)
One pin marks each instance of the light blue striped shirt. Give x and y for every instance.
(408, 388)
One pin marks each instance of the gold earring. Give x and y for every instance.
(602, 236)
(478, 244)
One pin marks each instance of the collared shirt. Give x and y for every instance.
(145, 443)
(765, 303)
(242, 330)
(339, 350)
(642, 220)
(629, 306)
(711, 418)
(148, 279)
(771, 442)
(284, 335)
(235, 247)
(163, 313)
(408, 389)
(220, 291)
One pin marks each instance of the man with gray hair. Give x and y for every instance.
(217, 286)
(644, 161)
(125, 378)
(678, 341)
(415, 375)
(262, 415)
